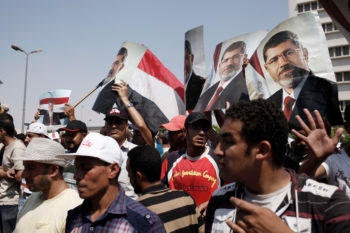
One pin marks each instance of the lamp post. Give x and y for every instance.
(15, 47)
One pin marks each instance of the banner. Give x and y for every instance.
(228, 83)
(194, 66)
(292, 63)
(51, 105)
(155, 92)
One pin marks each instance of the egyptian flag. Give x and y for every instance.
(339, 11)
(53, 100)
(155, 92)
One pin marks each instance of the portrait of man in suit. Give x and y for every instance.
(286, 60)
(194, 83)
(232, 86)
(51, 117)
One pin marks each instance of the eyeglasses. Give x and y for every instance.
(287, 54)
(233, 58)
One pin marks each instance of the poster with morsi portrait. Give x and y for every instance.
(295, 70)
(228, 85)
(194, 66)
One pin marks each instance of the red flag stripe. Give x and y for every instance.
(254, 61)
(152, 66)
(61, 100)
(216, 56)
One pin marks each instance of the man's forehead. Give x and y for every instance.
(30, 162)
(232, 52)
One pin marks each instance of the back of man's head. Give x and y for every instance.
(6, 123)
(145, 159)
(262, 120)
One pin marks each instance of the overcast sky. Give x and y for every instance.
(80, 39)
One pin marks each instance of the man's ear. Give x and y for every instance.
(53, 170)
(263, 150)
(139, 176)
(114, 170)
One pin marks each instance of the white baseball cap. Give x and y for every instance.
(43, 150)
(38, 128)
(98, 146)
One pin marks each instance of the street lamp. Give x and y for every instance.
(15, 47)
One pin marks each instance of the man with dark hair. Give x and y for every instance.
(117, 127)
(175, 208)
(73, 134)
(232, 86)
(195, 171)
(10, 173)
(106, 208)
(263, 195)
(286, 60)
(193, 82)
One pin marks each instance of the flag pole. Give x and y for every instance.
(88, 94)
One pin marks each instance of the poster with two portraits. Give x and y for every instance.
(290, 60)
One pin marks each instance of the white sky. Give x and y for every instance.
(80, 39)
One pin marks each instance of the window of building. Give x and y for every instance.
(320, 5)
(307, 6)
(346, 50)
(300, 8)
(329, 27)
(314, 5)
(335, 27)
(337, 51)
(331, 52)
(339, 76)
(347, 76)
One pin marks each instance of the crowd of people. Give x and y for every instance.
(240, 184)
(247, 177)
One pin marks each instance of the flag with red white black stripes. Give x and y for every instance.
(155, 92)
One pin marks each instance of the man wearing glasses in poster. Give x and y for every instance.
(286, 60)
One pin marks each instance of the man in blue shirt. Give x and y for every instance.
(106, 208)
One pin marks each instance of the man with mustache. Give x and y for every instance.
(286, 60)
(232, 86)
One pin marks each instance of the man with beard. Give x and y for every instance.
(286, 60)
(46, 208)
(232, 86)
(73, 134)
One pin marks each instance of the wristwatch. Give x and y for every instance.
(129, 105)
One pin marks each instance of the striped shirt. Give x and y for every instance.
(175, 208)
(310, 206)
(124, 215)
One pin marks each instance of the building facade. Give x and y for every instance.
(338, 46)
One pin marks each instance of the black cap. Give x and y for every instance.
(74, 126)
(115, 112)
(194, 117)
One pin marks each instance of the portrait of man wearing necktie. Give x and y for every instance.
(232, 86)
(286, 60)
